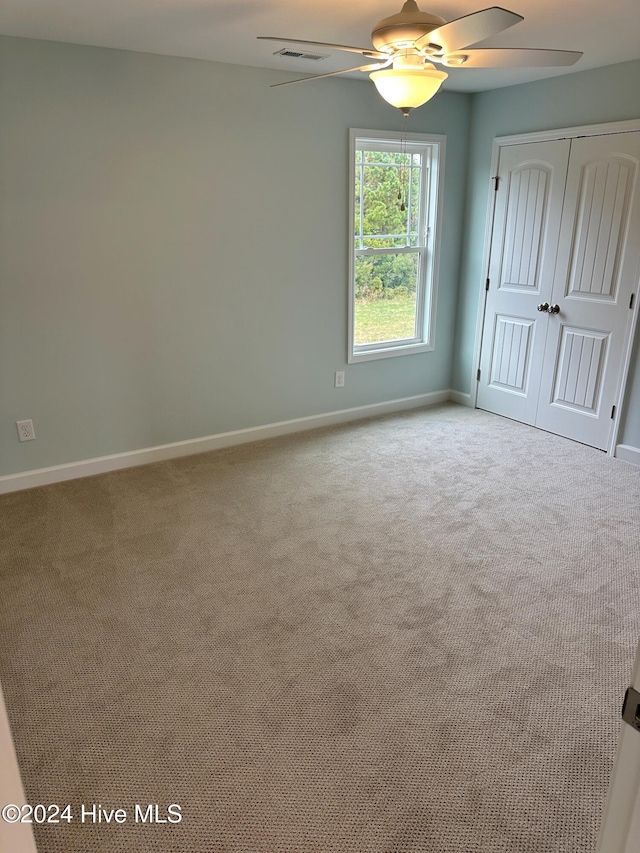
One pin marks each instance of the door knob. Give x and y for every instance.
(544, 306)
(554, 309)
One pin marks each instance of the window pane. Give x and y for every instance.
(386, 182)
(385, 298)
(382, 213)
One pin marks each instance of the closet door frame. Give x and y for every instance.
(499, 142)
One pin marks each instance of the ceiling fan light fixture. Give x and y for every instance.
(407, 88)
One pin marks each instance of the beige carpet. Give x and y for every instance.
(406, 635)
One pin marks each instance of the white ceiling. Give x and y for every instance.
(607, 31)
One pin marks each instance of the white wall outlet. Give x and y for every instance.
(339, 379)
(26, 431)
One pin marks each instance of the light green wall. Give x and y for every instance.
(173, 249)
(588, 97)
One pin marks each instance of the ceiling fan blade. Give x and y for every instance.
(375, 66)
(365, 51)
(470, 29)
(510, 57)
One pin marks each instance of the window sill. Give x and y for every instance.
(388, 352)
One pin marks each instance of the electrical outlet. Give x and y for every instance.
(26, 431)
(339, 379)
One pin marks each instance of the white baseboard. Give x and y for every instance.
(460, 397)
(132, 458)
(628, 453)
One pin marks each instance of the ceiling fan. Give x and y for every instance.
(411, 41)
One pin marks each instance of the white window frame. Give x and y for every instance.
(433, 149)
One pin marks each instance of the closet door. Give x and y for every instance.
(523, 257)
(596, 272)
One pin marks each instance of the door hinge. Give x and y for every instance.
(631, 300)
(613, 412)
(631, 708)
(496, 178)
(478, 374)
(487, 285)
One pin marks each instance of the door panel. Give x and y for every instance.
(596, 272)
(604, 195)
(578, 375)
(527, 205)
(523, 255)
(511, 354)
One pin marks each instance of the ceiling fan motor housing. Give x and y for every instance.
(400, 31)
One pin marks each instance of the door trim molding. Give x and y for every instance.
(603, 129)
(17, 837)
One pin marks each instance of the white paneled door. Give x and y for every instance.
(526, 230)
(565, 259)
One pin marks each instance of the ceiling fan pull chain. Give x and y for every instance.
(403, 166)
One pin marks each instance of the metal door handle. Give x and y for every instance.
(544, 306)
(554, 309)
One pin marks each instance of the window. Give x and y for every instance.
(395, 189)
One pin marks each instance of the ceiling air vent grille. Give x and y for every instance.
(299, 54)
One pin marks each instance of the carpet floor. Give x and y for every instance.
(405, 635)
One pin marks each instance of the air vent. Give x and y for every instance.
(299, 54)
